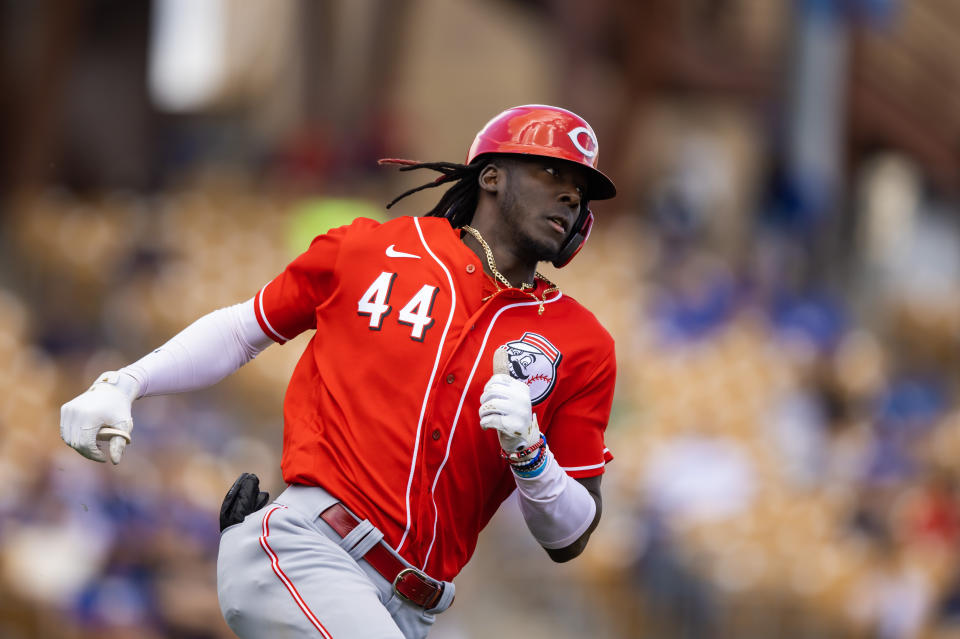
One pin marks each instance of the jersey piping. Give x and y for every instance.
(456, 417)
(433, 374)
(282, 576)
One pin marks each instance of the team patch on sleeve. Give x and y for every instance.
(534, 361)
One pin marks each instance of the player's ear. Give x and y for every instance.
(490, 177)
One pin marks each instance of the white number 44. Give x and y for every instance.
(415, 313)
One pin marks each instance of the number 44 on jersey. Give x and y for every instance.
(375, 303)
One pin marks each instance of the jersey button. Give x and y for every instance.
(450, 378)
(436, 434)
(471, 268)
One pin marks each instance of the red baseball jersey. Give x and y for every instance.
(382, 407)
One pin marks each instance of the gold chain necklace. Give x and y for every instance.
(499, 276)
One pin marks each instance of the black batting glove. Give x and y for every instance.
(243, 498)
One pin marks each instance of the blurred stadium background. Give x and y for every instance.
(780, 272)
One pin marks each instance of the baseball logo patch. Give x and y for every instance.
(534, 361)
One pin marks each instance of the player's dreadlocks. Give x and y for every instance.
(460, 200)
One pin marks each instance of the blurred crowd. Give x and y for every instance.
(786, 425)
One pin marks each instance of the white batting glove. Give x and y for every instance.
(505, 407)
(101, 413)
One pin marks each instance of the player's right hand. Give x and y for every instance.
(101, 413)
(505, 407)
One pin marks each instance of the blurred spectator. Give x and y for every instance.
(696, 295)
(893, 600)
(694, 478)
(672, 591)
(930, 514)
(904, 413)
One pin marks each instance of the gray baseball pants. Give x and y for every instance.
(283, 572)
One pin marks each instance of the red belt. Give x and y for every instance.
(409, 583)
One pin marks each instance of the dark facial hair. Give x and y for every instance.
(512, 216)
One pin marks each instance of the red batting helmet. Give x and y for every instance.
(549, 131)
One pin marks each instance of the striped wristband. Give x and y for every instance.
(534, 467)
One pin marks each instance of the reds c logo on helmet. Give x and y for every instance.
(590, 150)
(534, 360)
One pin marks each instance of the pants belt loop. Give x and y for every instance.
(361, 539)
(446, 598)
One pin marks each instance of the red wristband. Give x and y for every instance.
(521, 456)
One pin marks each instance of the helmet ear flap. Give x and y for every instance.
(577, 238)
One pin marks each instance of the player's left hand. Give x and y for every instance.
(505, 406)
(100, 414)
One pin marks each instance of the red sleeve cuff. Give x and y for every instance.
(265, 326)
(590, 470)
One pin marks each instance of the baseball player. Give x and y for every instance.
(443, 373)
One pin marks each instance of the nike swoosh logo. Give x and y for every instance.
(391, 252)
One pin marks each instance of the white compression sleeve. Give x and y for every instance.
(202, 354)
(556, 507)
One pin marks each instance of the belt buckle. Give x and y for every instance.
(426, 581)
